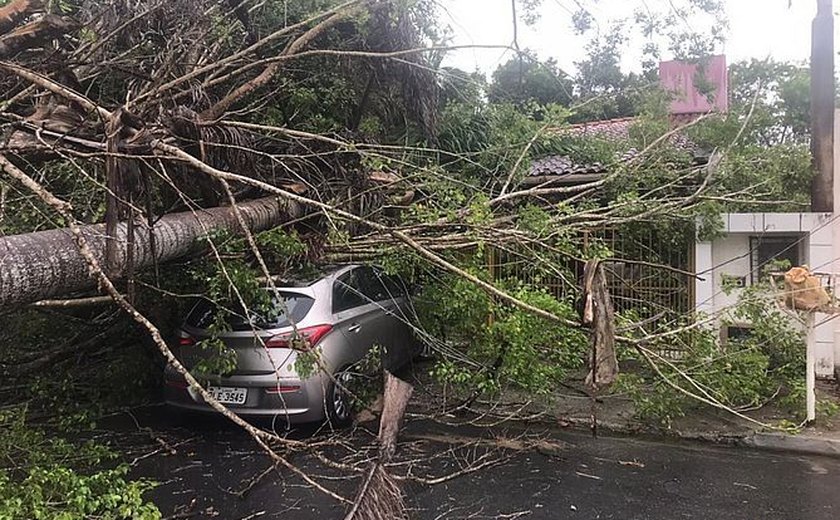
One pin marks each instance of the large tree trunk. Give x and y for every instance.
(46, 264)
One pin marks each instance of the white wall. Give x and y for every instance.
(730, 256)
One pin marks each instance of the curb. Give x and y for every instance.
(802, 444)
(792, 444)
(776, 442)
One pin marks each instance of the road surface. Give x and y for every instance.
(207, 468)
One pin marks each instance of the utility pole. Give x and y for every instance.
(822, 108)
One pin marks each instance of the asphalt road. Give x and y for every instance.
(207, 468)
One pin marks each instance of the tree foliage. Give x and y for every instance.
(600, 89)
(741, 373)
(777, 98)
(52, 478)
(524, 80)
(603, 90)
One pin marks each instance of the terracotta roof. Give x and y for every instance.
(561, 165)
(688, 103)
(611, 129)
(564, 165)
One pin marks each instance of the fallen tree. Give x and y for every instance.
(44, 264)
(333, 107)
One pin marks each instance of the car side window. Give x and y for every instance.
(347, 292)
(393, 285)
(372, 285)
(364, 285)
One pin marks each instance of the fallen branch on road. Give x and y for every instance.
(380, 496)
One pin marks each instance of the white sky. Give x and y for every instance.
(757, 29)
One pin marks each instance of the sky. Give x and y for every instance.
(757, 29)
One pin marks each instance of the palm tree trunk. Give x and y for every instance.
(46, 264)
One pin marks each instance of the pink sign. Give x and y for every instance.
(696, 93)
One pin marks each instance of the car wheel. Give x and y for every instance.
(339, 402)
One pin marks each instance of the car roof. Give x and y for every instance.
(313, 275)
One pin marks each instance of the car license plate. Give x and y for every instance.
(228, 395)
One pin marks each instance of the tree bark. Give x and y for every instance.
(46, 264)
(599, 315)
(380, 496)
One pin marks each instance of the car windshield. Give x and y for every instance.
(290, 308)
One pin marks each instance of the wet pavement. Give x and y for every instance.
(208, 468)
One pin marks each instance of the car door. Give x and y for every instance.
(357, 316)
(400, 319)
(385, 315)
(394, 331)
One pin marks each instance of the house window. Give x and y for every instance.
(767, 251)
(735, 332)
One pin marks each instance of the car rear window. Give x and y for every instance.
(290, 308)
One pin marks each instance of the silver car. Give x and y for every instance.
(341, 314)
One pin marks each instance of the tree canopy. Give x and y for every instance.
(524, 79)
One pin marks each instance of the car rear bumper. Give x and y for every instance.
(302, 404)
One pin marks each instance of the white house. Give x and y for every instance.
(750, 239)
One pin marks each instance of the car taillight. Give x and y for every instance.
(186, 341)
(302, 339)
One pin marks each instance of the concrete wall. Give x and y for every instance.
(730, 256)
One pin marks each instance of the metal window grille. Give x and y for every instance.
(649, 277)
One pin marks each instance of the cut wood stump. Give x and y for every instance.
(380, 496)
